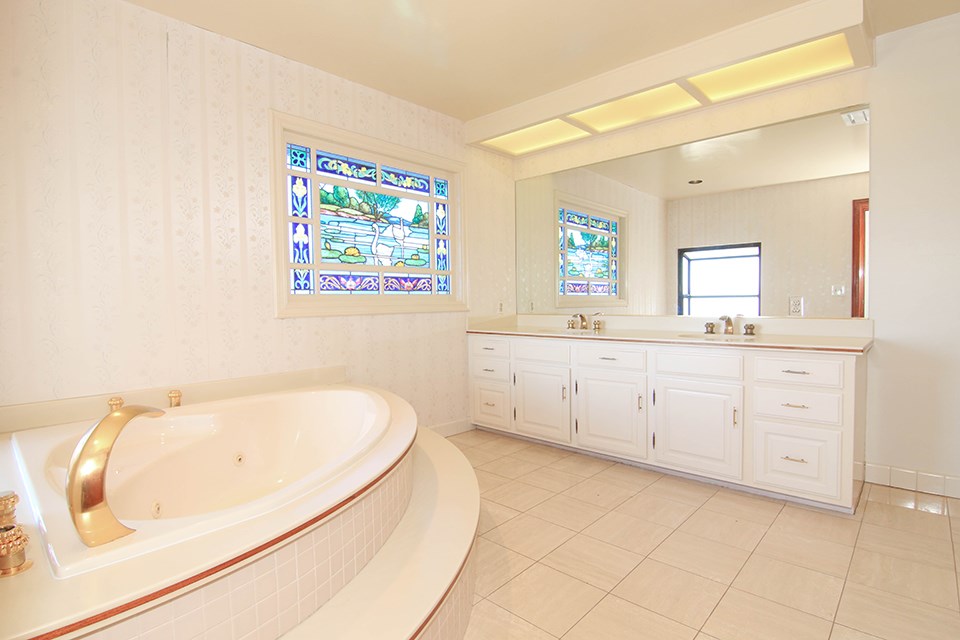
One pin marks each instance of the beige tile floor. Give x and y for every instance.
(575, 547)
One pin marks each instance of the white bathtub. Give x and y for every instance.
(219, 477)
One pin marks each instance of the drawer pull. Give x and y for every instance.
(796, 373)
(489, 370)
(794, 406)
(564, 393)
(606, 358)
(789, 459)
(489, 404)
(489, 349)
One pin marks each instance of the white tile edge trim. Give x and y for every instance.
(942, 485)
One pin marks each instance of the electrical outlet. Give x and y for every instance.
(500, 307)
(838, 290)
(796, 305)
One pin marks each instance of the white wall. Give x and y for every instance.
(135, 227)
(914, 374)
(536, 234)
(805, 231)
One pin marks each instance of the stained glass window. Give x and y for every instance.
(405, 180)
(358, 227)
(298, 157)
(337, 166)
(588, 261)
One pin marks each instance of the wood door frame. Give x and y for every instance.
(858, 287)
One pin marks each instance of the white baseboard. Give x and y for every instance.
(913, 480)
(448, 429)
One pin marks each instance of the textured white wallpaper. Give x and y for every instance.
(805, 230)
(135, 233)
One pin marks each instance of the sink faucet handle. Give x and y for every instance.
(115, 403)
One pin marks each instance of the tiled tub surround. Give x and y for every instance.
(421, 583)
(272, 594)
(365, 502)
(632, 553)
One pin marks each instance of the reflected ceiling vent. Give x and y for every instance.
(856, 117)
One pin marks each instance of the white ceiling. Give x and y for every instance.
(468, 59)
(808, 149)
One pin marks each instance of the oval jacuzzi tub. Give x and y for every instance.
(212, 480)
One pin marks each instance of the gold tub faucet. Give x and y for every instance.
(87, 475)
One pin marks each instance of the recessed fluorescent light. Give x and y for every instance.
(536, 137)
(802, 62)
(646, 105)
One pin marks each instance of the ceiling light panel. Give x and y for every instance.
(639, 107)
(536, 137)
(802, 62)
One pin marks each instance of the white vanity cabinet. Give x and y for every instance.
(780, 418)
(490, 400)
(610, 387)
(542, 389)
(698, 412)
(803, 419)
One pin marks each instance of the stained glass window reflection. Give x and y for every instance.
(587, 254)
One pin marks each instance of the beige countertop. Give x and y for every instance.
(822, 343)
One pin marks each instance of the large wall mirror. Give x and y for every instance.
(789, 187)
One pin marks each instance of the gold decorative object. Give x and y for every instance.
(8, 508)
(175, 395)
(115, 403)
(13, 541)
(87, 474)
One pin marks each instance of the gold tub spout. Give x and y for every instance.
(87, 475)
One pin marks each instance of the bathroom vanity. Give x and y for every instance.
(779, 414)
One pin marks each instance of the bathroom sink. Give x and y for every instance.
(717, 337)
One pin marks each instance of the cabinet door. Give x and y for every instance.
(542, 401)
(698, 425)
(611, 412)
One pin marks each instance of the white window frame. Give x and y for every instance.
(564, 201)
(289, 128)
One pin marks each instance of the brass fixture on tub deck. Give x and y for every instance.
(175, 396)
(87, 475)
(13, 540)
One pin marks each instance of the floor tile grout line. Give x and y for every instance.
(862, 504)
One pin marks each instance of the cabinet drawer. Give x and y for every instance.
(701, 364)
(825, 373)
(489, 347)
(491, 404)
(490, 369)
(797, 458)
(610, 356)
(798, 404)
(542, 351)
